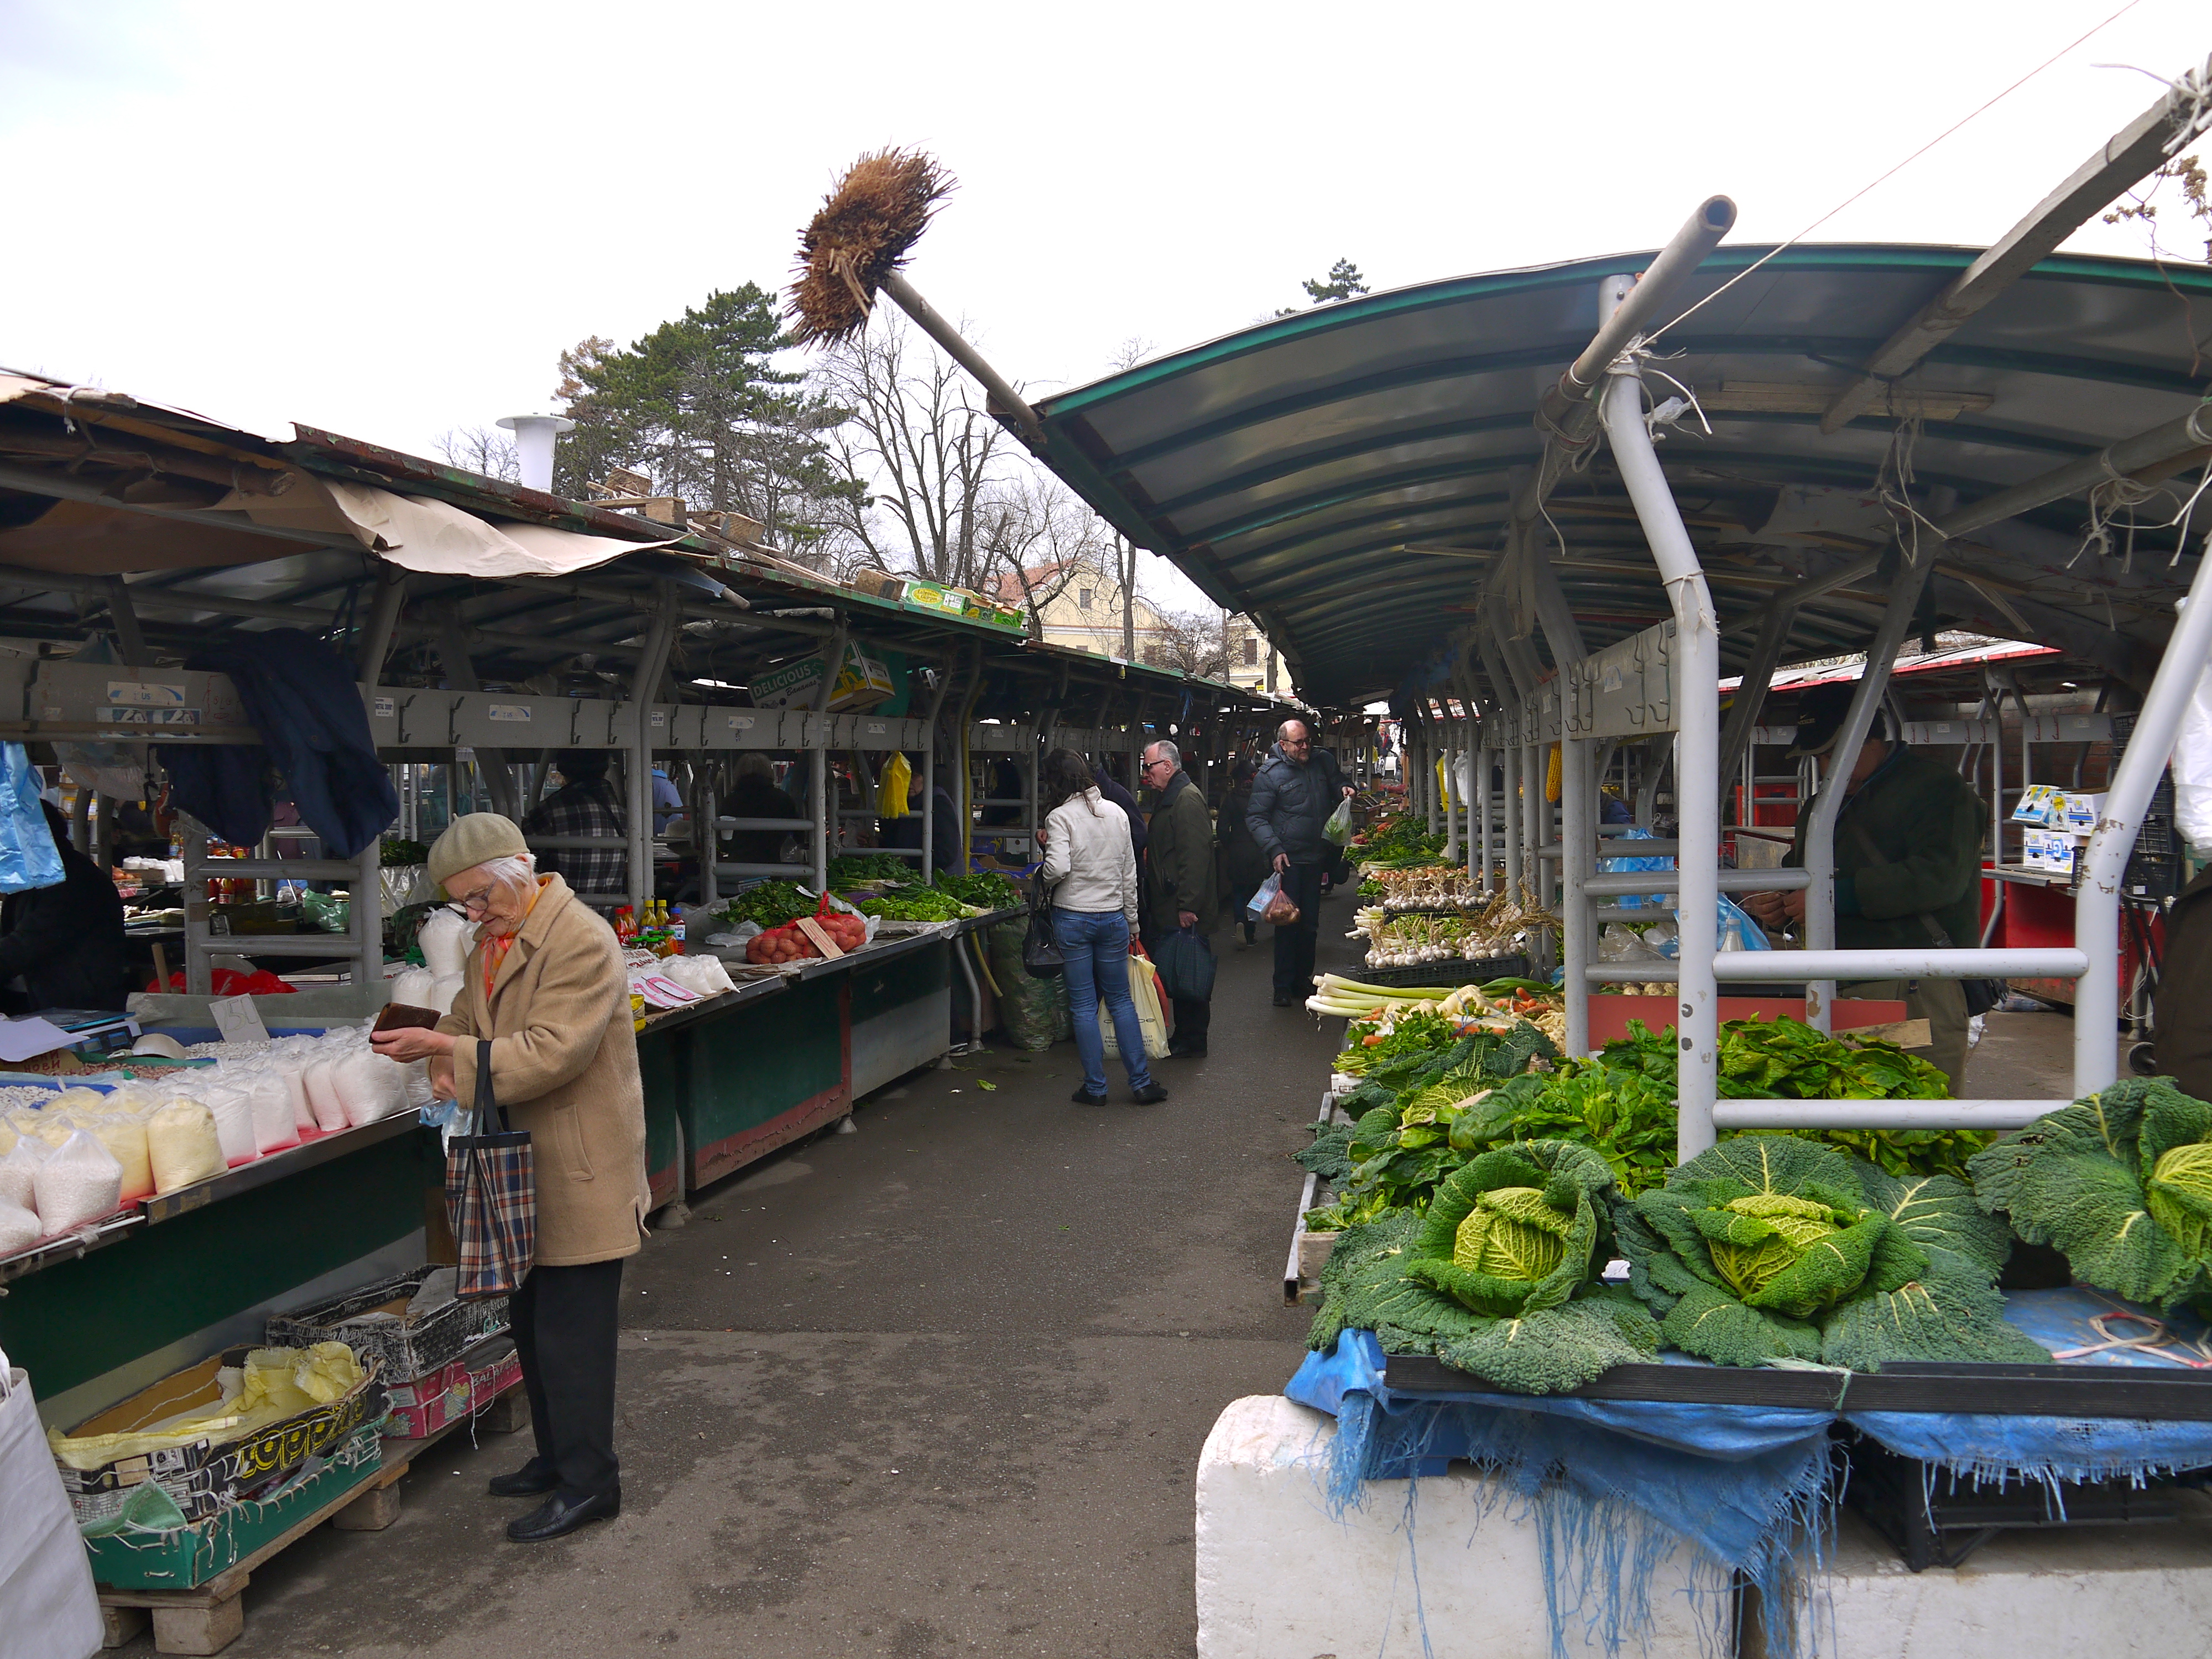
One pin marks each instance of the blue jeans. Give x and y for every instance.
(1096, 944)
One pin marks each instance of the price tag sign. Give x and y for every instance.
(239, 1020)
(815, 931)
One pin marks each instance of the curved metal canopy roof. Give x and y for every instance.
(1344, 475)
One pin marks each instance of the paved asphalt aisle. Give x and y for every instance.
(935, 1388)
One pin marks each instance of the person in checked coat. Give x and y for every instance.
(546, 984)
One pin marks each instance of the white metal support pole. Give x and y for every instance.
(1510, 757)
(1450, 728)
(2097, 906)
(1577, 837)
(1820, 830)
(1697, 696)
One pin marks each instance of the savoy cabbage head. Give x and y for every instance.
(1769, 1248)
(2120, 1182)
(1497, 1279)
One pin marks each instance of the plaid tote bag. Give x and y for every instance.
(491, 1196)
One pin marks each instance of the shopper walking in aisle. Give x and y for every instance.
(1292, 796)
(1179, 885)
(1908, 845)
(546, 987)
(1092, 870)
(1243, 865)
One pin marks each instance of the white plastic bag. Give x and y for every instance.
(124, 1138)
(371, 1086)
(2192, 766)
(446, 937)
(20, 1227)
(276, 1120)
(1152, 1015)
(45, 1579)
(233, 1122)
(19, 1172)
(415, 987)
(1337, 831)
(330, 1111)
(80, 1183)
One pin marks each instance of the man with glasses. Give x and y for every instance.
(1179, 883)
(1297, 789)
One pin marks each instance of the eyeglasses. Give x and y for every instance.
(473, 903)
(1297, 742)
(1154, 766)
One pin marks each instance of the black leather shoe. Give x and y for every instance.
(1151, 1094)
(1187, 1051)
(1285, 999)
(1084, 1097)
(558, 1516)
(531, 1480)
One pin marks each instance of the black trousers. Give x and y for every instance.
(1191, 1019)
(563, 1320)
(1294, 944)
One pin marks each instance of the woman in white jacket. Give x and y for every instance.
(1092, 870)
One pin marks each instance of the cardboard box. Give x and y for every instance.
(862, 683)
(373, 1321)
(205, 1476)
(879, 585)
(422, 1408)
(181, 1558)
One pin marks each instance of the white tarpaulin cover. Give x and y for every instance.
(420, 532)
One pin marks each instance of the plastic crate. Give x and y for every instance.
(408, 1347)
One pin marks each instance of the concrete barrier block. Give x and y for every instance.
(1279, 1578)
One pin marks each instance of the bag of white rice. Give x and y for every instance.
(416, 1076)
(276, 1123)
(81, 1182)
(182, 1145)
(371, 1086)
(78, 1099)
(20, 1227)
(330, 1111)
(19, 1170)
(413, 987)
(233, 1120)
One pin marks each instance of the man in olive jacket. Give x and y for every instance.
(2181, 1020)
(1908, 869)
(1179, 883)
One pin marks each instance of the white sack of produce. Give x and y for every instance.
(371, 1086)
(19, 1172)
(78, 1099)
(276, 1120)
(416, 1073)
(414, 987)
(330, 1111)
(704, 975)
(182, 1145)
(81, 1182)
(446, 937)
(20, 1227)
(54, 1129)
(443, 991)
(233, 1122)
(124, 1138)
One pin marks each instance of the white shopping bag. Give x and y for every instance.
(47, 1607)
(1151, 1011)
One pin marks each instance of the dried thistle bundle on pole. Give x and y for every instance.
(860, 237)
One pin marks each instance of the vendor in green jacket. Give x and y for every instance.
(1179, 882)
(1908, 868)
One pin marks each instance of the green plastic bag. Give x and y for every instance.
(1337, 832)
(332, 912)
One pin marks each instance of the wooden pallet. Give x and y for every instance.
(208, 1617)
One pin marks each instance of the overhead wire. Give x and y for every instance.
(1864, 189)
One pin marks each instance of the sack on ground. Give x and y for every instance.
(1025, 1003)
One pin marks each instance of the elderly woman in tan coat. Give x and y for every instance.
(546, 985)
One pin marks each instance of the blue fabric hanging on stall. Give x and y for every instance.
(301, 697)
(28, 857)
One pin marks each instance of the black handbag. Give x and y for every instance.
(1186, 964)
(1041, 954)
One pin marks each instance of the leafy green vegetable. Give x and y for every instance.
(913, 904)
(1330, 1155)
(1771, 1247)
(985, 888)
(1497, 1280)
(769, 904)
(2121, 1183)
(1417, 1031)
(850, 869)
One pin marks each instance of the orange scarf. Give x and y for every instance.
(497, 945)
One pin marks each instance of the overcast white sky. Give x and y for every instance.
(387, 221)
